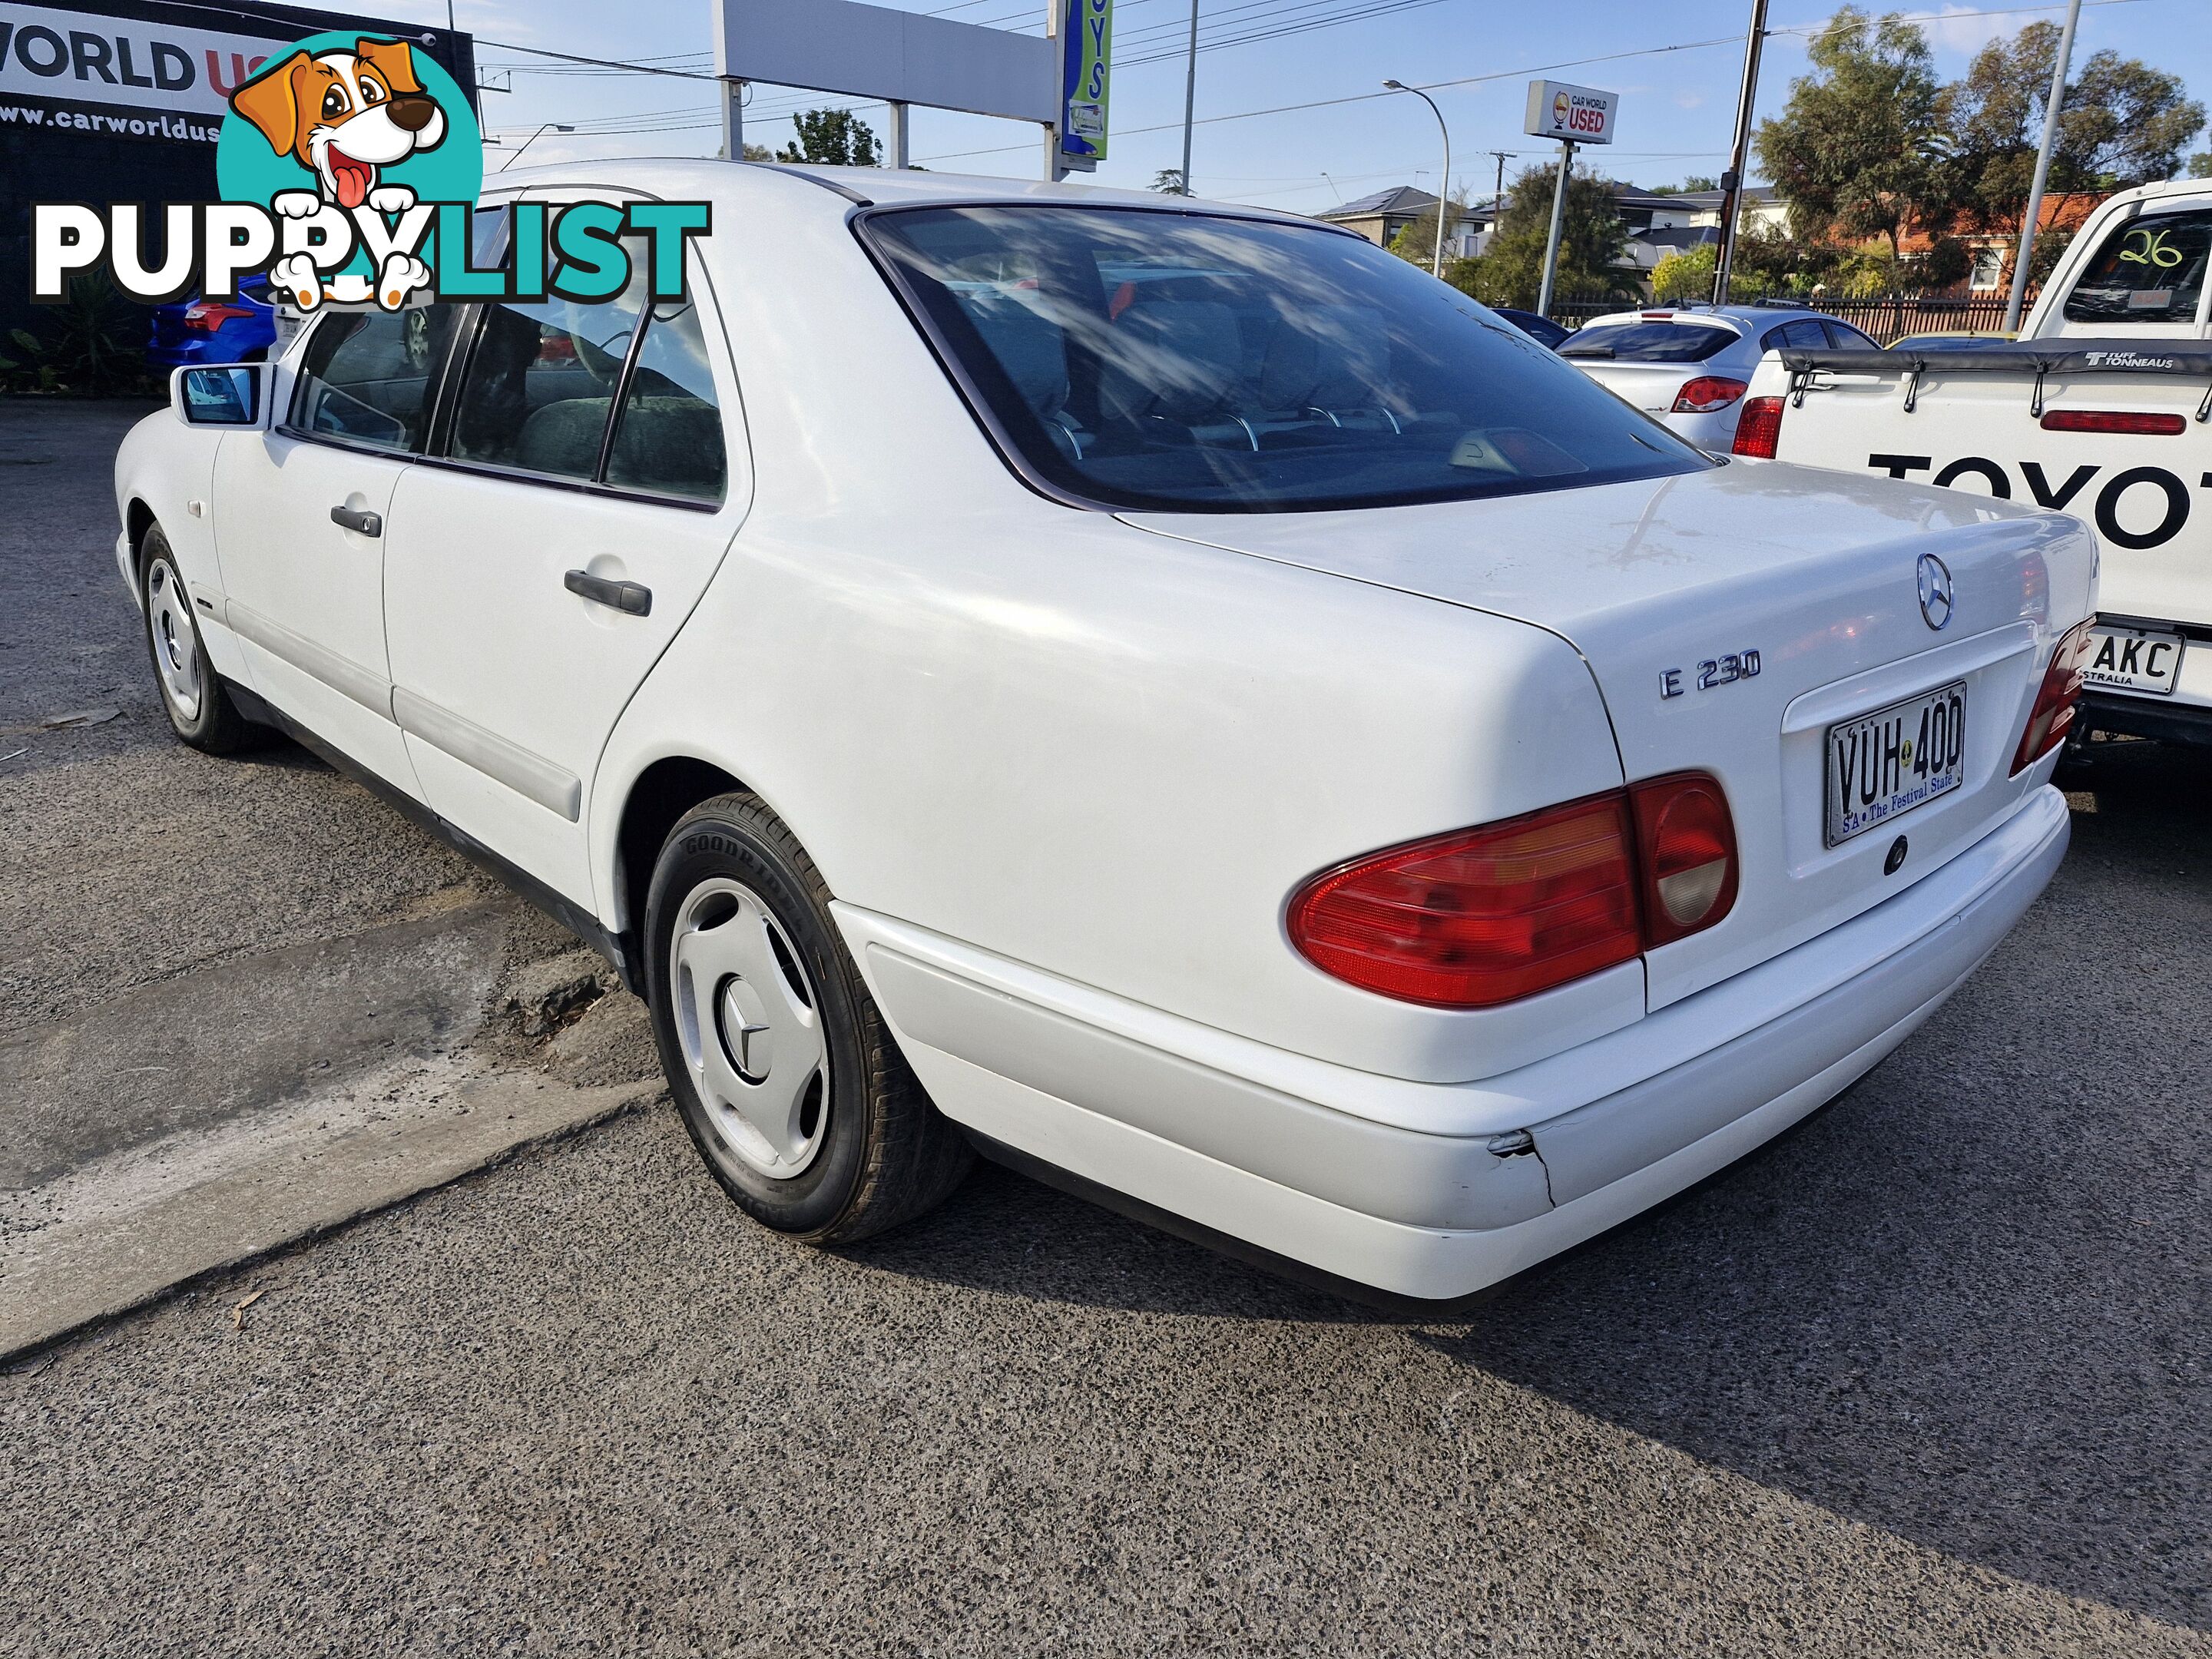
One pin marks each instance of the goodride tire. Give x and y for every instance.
(789, 1082)
(195, 697)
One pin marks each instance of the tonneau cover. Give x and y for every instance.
(2072, 355)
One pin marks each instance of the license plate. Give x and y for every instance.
(2135, 660)
(1884, 764)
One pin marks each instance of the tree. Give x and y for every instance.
(832, 137)
(1860, 146)
(1696, 181)
(759, 153)
(1168, 182)
(1417, 243)
(1592, 244)
(2200, 167)
(2125, 123)
(1686, 275)
(2122, 123)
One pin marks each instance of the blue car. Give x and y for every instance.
(1542, 330)
(197, 331)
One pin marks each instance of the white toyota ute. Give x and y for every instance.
(2102, 408)
(1166, 694)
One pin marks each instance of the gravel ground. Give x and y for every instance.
(1927, 1376)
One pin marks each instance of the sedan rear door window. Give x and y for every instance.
(541, 384)
(1136, 358)
(668, 440)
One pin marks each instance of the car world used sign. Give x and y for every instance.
(57, 64)
(1579, 115)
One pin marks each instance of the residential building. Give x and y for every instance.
(1380, 216)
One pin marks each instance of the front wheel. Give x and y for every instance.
(194, 695)
(787, 1077)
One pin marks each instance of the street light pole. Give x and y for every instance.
(1443, 198)
(1739, 153)
(2051, 111)
(551, 126)
(1559, 219)
(1189, 94)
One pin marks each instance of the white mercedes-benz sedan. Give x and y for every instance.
(1166, 694)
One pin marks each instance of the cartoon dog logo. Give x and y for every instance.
(344, 117)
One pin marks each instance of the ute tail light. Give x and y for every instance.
(1707, 393)
(2057, 700)
(1758, 428)
(1685, 854)
(1481, 917)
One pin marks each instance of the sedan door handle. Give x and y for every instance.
(631, 598)
(354, 519)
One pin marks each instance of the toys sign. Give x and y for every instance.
(1579, 115)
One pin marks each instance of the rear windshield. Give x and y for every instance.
(2150, 270)
(1649, 342)
(1184, 361)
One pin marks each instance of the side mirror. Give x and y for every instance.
(234, 395)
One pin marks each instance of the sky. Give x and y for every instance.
(1676, 105)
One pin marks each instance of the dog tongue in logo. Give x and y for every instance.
(351, 178)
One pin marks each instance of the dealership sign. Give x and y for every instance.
(59, 65)
(1578, 115)
(1087, 47)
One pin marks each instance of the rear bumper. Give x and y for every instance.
(1434, 1190)
(2147, 717)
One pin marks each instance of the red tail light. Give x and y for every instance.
(1758, 428)
(2057, 700)
(2113, 419)
(206, 316)
(1707, 393)
(1685, 854)
(1486, 916)
(1480, 916)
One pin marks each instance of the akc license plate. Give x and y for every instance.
(2134, 660)
(1884, 764)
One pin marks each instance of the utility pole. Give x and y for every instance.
(2051, 110)
(1497, 201)
(1739, 153)
(1443, 196)
(1559, 219)
(1189, 94)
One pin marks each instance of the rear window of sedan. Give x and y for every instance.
(1186, 362)
(1651, 343)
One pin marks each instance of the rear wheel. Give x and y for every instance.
(788, 1081)
(198, 701)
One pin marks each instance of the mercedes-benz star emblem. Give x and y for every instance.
(1935, 592)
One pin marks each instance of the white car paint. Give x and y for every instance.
(1062, 769)
(1655, 387)
(1981, 434)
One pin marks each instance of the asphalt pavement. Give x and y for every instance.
(1928, 1376)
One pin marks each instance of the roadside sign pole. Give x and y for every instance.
(733, 119)
(1739, 153)
(1559, 220)
(897, 124)
(1189, 94)
(2051, 111)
